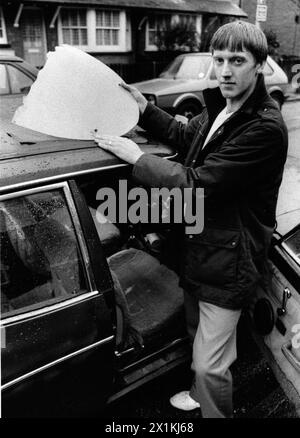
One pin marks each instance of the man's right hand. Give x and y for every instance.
(137, 95)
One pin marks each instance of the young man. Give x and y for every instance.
(235, 150)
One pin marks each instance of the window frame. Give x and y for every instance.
(3, 39)
(287, 248)
(82, 248)
(91, 46)
(174, 18)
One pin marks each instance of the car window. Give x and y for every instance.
(292, 244)
(40, 258)
(267, 71)
(193, 67)
(19, 81)
(188, 67)
(4, 87)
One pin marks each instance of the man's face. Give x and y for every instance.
(236, 73)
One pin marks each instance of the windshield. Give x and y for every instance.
(187, 67)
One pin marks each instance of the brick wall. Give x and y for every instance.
(280, 19)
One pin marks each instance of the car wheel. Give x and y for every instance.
(188, 109)
(278, 98)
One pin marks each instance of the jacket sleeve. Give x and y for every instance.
(166, 128)
(237, 165)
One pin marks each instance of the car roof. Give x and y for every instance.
(10, 58)
(29, 158)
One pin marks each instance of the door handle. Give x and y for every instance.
(281, 311)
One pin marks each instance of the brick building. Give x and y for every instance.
(116, 31)
(283, 18)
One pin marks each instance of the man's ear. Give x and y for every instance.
(260, 66)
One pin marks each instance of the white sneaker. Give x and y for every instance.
(184, 401)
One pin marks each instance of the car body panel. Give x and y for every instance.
(54, 160)
(169, 93)
(10, 102)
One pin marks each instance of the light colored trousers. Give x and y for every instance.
(213, 330)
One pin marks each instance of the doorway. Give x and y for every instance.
(34, 36)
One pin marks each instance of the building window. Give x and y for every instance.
(155, 24)
(94, 30)
(159, 23)
(74, 27)
(107, 28)
(3, 39)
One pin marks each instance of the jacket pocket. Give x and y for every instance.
(212, 257)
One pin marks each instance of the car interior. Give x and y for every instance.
(139, 257)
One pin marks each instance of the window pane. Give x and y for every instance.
(267, 69)
(82, 18)
(75, 37)
(19, 82)
(115, 37)
(106, 37)
(67, 36)
(99, 37)
(116, 19)
(293, 242)
(152, 37)
(107, 19)
(4, 88)
(40, 258)
(194, 67)
(65, 18)
(99, 19)
(83, 37)
(74, 18)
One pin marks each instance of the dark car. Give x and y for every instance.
(178, 89)
(91, 310)
(16, 78)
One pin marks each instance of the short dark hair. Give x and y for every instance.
(238, 36)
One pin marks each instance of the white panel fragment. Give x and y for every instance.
(74, 94)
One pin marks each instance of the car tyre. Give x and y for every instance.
(188, 109)
(277, 96)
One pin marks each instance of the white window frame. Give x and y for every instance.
(3, 39)
(91, 32)
(174, 18)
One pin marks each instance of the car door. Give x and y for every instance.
(56, 329)
(276, 314)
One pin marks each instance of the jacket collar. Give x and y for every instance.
(215, 102)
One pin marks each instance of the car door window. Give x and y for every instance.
(267, 70)
(4, 86)
(193, 67)
(292, 244)
(19, 81)
(41, 262)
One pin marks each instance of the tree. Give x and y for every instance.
(273, 43)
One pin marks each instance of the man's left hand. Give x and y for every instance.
(122, 147)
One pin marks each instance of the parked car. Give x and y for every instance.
(178, 89)
(16, 78)
(89, 311)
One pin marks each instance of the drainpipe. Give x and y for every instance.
(16, 22)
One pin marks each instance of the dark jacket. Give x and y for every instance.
(240, 170)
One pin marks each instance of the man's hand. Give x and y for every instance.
(137, 95)
(122, 147)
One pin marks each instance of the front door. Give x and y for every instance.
(34, 36)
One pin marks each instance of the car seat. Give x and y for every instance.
(109, 234)
(154, 298)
